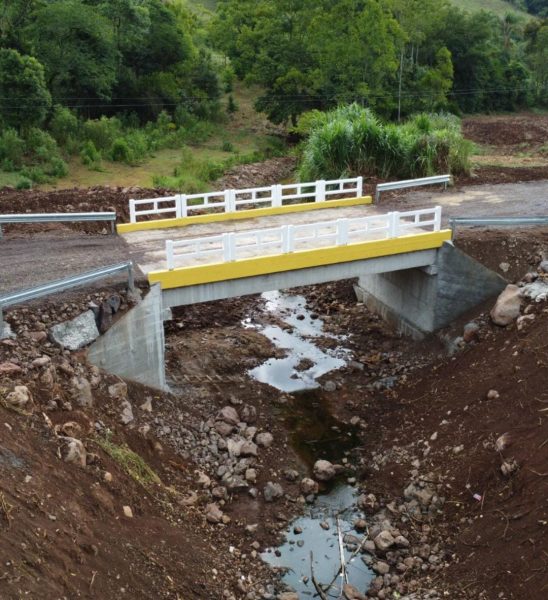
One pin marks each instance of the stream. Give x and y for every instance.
(314, 434)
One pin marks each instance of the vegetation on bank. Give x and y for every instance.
(397, 57)
(351, 140)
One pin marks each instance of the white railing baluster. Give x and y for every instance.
(169, 255)
(342, 232)
(320, 191)
(437, 218)
(394, 224)
(132, 216)
(359, 187)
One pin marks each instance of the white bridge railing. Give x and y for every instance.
(230, 201)
(229, 247)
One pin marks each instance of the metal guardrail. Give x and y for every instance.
(57, 218)
(495, 221)
(61, 285)
(407, 183)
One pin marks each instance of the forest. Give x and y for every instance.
(119, 79)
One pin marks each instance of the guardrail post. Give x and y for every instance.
(1, 234)
(394, 224)
(1, 320)
(276, 195)
(130, 278)
(437, 218)
(377, 194)
(342, 232)
(132, 217)
(359, 187)
(320, 190)
(169, 255)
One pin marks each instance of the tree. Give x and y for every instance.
(24, 98)
(77, 47)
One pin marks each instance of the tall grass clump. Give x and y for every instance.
(351, 140)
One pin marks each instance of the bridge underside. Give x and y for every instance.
(257, 284)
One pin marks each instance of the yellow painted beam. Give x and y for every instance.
(251, 213)
(262, 265)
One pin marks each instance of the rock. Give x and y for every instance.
(147, 405)
(288, 596)
(203, 480)
(471, 332)
(524, 320)
(127, 512)
(248, 414)
(38, 363)
(401, 541)
(126, 417)
(309, 486)
(104, 317)
(324, 470)
(384, 540)
(352, 593)
(107, 476)
(360, 525)
(38, 336)
(9, 368)
(118, 391)
(82, 392)
(213, 513)
(537, 291)
(229, 415)
(493, 395)
(224, 429)
(264, 440)
(20, 398)
(291, 474)
(248, 449)
(76, 333)
(330, 386)
(508, 467)
(543, 266)
(504, 267)
(272, 491)
(73, 451)
(251, 475)
(381, 567)
(507, 306)
(114, 302)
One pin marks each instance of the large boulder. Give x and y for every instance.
(507, 306)
(76, 333)
(324, 470)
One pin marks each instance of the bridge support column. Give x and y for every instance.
(421, 300)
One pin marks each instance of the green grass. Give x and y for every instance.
(130, 462)
(499, 7)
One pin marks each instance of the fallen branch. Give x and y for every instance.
(318, 587)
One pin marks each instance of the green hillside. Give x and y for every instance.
(499, 7)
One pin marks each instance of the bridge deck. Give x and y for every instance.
(147, 248)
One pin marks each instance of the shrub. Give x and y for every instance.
(12, 149)
(91, 157)
(231, 107)
(227, 146)
(24, 184)
(120, 151)
(57, 168)
(102, 132)
(64, 125)
(35, 174)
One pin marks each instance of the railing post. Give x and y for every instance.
(437, 218)
(288, 239)
(342, 232)
(320, 190)
(377, 194)
(359, 187)
(276, 195)
(184, 206)
(178, 207)
(169, 255)
(230, 201)
(394, 224)
(229, 247)
(132, 217)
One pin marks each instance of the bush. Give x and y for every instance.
(120, 151)
(350, 140)
(57, 168)
(102, 132)
(35, 174)
(41, 146)
(12, 149)
(91, 157)
(227, 146)
(231, 107)
(64, 125)
(24, 184)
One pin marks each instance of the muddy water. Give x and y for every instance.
(312, 540)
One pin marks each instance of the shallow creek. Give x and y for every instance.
(314, 434)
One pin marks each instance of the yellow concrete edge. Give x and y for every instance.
(241, 214)
(278, 263)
